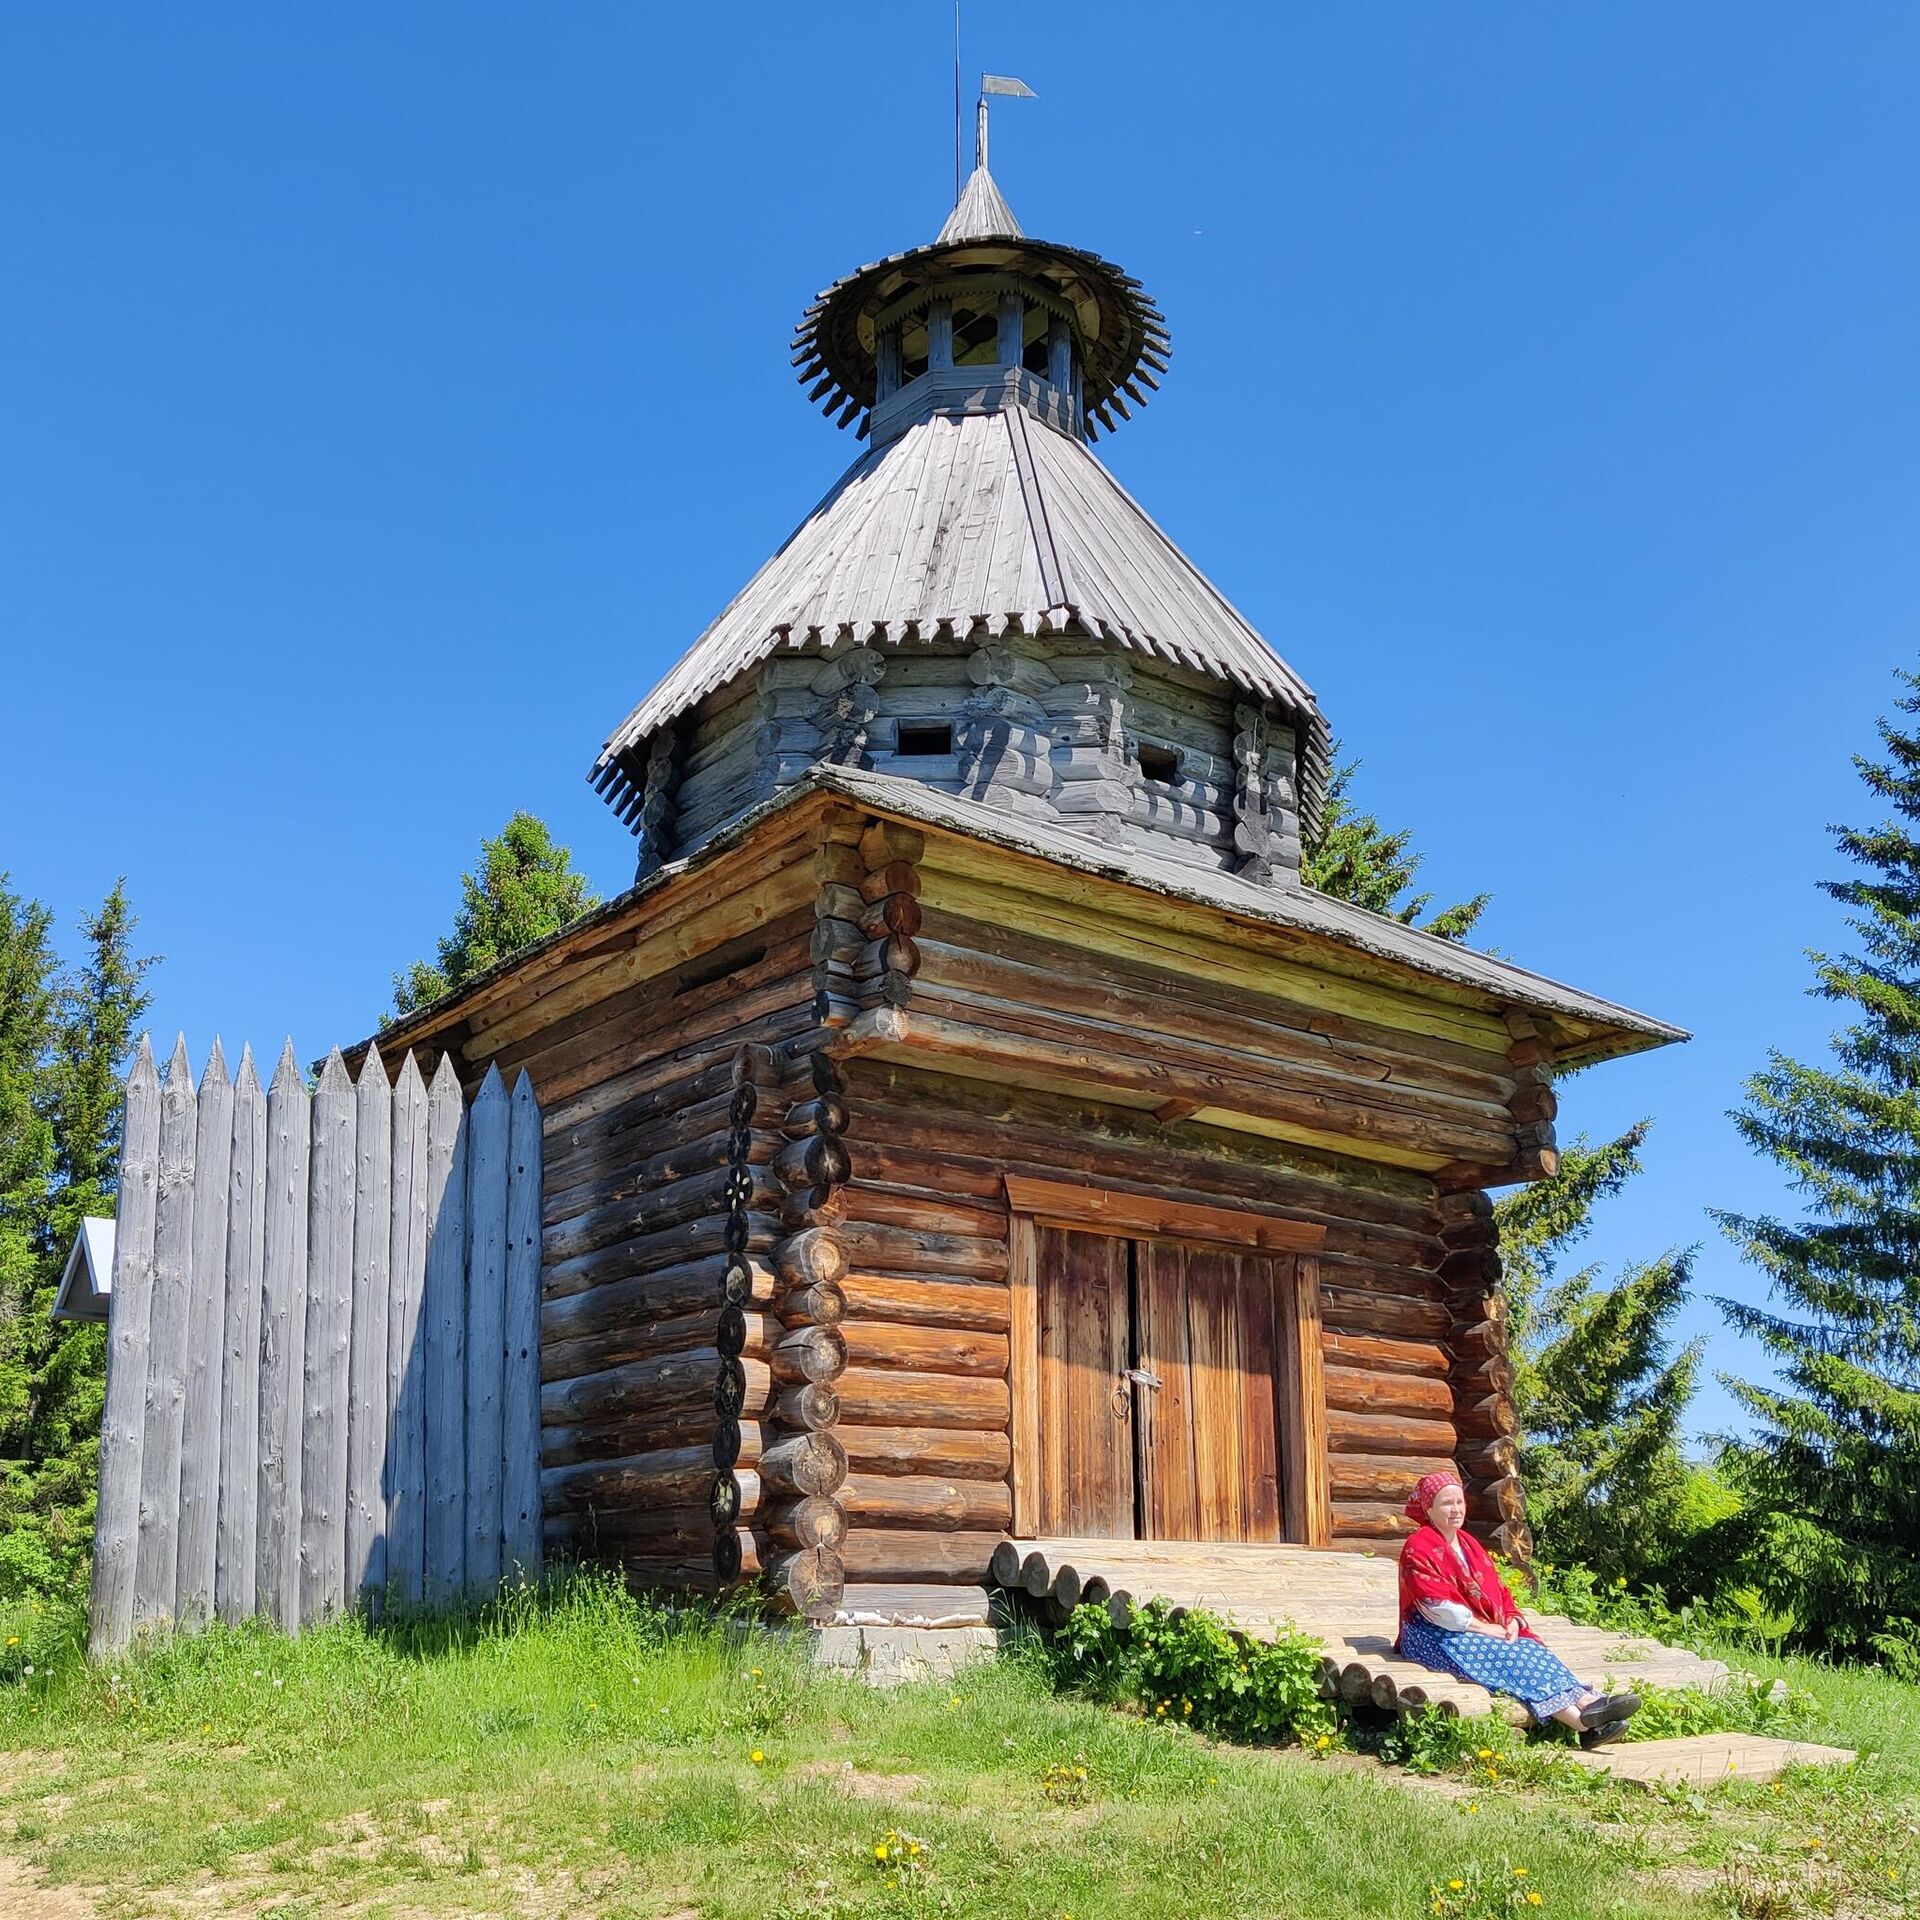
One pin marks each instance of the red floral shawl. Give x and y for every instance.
(1430, 1572)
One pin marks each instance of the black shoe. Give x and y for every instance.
(1610, 1706)
(1606, 1731)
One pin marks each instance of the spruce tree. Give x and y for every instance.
(1834, 1461)
(65, 1037)
(525, 889)
(1598, 1386)
(1355, 858)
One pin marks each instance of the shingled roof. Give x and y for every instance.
(980, 523)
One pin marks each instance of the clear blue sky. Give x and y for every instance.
(388, 394)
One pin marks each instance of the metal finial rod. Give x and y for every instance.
(980, 134)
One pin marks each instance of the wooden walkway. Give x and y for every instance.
(1348, 1602)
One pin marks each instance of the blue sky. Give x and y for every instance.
(387, 396)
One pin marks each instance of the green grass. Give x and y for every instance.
(584, 1754)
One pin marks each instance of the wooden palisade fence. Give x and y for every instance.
(323, 1374)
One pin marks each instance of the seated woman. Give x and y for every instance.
(1457, 1614)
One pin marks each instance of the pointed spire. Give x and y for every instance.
(144, 1072)
(286, 1076)
(373, 1070)
(246, 1077)
(180, 1068)
(981, 213)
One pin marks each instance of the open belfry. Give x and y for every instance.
(969, 1129)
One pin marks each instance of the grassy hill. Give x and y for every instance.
(584, 1754)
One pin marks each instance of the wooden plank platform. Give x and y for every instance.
(1348, 1602)
(1709, 1758)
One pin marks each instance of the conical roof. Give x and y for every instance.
(981, 213)
(978, 523)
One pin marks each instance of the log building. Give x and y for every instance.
(968, 1126)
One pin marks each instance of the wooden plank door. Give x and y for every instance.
(1210, 1432)
(1086, 1427)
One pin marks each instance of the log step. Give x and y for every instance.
(1347, 1602)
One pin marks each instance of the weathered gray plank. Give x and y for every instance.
(122, 1429)
(445, 1337)
(520, 1396)
(283, 1313)
(367, 1402)
(405, 1478)
(487, 1124)
(324, 1356)
(233, 1582)
(156, 1557)
(200, 1433)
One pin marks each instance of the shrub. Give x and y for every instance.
(1193, 1669)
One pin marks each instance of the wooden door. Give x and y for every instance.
(1086, 1480)
(1210, 1432)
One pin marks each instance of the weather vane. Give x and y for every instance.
(999, 83)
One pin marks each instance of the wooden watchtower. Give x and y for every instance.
(968, 1126)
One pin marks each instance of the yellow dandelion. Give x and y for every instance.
(913, 1846)
(1456, 1886)
(756, 1756)
(1519, 1873)
(954, 1701)
(1324, 1742)
(1161, 1708)
(880, 1852)
(206, 1726)
(1473, 1806)
(1533, 1899)
(13, 1639)
(1485, 1753)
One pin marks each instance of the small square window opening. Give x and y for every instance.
(1160, 764)
(923, 740)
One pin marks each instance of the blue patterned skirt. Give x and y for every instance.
(1540, 1680)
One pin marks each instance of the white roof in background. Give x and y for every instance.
(988, 518)
(87, 1283)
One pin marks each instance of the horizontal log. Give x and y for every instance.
(1376, 1519)
(926, 1209)
(976, 1306)
(872, 1343)
(751, 1189)
(881, 1397)
(799, 1463)
(809, 1520)
(1355, 1390)
(1376, 1353)
(937, 1255)
(671, 1477)
(599, 1123)
(926, 1501)
(896, 1554)
(644, 1339)
(675, 1246)
(811, 1408)
(1391, 1433)
(667, 1573)
(696, 1147)
(665, 1428)
(1371, 1476)
(646, 1388)
(809, 1354)
(682, 1533)
(1348, 1309)
(813, 1307)
(968, 1452)
(825, 1113)
(815, 1160)
(814, 1256)
(716, 1281)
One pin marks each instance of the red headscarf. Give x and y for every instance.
(1420, 1500)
